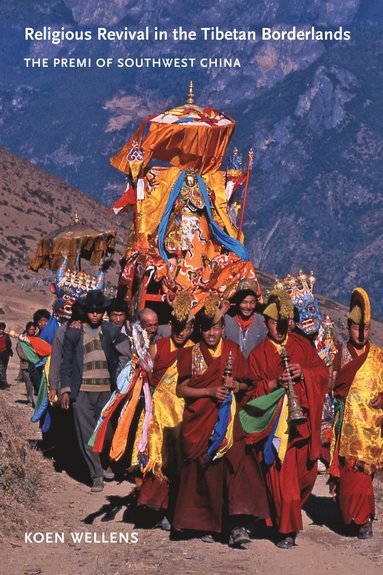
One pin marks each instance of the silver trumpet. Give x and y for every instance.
(295, 411)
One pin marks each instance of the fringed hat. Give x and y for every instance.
(239, 289)
(360, 308)
(249, 284)
(279, 306)
(182, 309)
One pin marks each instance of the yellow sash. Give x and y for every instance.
(167, 411)
(282, 431)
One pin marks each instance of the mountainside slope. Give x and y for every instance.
(34, 203)
(311, 110)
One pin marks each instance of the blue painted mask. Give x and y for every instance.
(309, 315)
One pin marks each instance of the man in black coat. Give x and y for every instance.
(92, 357)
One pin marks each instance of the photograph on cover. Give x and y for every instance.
(190, 310)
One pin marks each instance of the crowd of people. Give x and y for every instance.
(217, 415)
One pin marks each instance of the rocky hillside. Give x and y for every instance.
(311, 110)
(34, 203)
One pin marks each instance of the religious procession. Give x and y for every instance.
(221, 403)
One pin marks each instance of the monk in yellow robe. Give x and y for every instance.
(358, 439)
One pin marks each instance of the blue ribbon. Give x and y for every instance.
(41, 412)
(48, 333)
(231, 244)
(220, 427)
(269, 453)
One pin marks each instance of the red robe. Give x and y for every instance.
(355, 492)
(205, 487)
(289, 484)
(163, 359)
(154, 492)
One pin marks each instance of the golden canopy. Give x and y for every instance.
(76, 241)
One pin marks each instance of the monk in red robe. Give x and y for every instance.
(289, 450)
(217, 469)
(358, 440)
(161, 452)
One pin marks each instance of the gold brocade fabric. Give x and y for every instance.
(195, 260)
(91, 247)
(199, 364)
(167, 411)
(282, 432)
(217, 182)
(197, 263)
(158, 185)
(361, 437)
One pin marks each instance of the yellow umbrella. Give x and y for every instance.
(78, 241)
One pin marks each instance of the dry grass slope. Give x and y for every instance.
(34, 203)
(23, 473)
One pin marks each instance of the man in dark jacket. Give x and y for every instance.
(90, 362)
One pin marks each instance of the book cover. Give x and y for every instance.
(301, 79)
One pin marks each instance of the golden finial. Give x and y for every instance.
(76, 218)
(228, 369)
(190, 97)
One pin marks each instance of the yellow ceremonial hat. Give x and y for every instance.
(279, 306)
(182, 309)
(214, 309)
(360, 308)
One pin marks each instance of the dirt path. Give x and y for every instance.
(71, 513)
